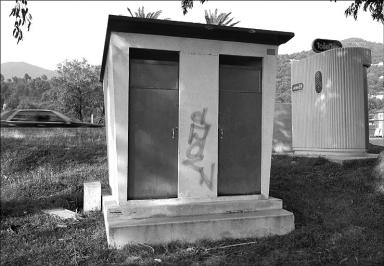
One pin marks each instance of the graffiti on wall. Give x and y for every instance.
(195, 152)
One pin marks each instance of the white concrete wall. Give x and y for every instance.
(268, 94)
(198, 89)
(110, 125)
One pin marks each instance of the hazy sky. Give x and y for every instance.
(74, 29)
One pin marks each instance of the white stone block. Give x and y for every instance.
(61, 213)
(92, 196)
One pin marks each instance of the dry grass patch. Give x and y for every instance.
(339, 210)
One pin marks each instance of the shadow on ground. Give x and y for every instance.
(16, 208)
(372, 148)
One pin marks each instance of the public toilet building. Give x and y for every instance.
(189, 121)
(330, 105)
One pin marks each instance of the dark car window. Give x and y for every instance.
(24, 116)
(37, 116)
(51, 117)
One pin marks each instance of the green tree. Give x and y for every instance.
(188, 4)
(26, 103)
(16, 90)
(36, 88)
(221, 19)
(12, 102)
(140, 13)
(374, 6)
(23, 18)
(23, 92)
(27, 77)
(76, 90)
(5, 91)
(375, 104)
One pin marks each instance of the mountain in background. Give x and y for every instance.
(377, 49)
(375, 84)
(18, 69)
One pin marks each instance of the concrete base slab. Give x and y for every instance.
(336, 158)
(341, 158)
(183, 222)
(137, 209)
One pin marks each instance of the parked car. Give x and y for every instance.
(39, 118)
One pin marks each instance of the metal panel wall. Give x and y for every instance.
(240, 109)
(153, 121)
(333, 120)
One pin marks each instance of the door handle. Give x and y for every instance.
(221, 133)
(174, 132)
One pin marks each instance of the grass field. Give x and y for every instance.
(339, 210)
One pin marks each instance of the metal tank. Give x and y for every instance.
(329, 103)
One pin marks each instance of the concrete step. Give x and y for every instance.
(156, 230)
(340, 158)
(177, 207)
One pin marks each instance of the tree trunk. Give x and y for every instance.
(80, 107)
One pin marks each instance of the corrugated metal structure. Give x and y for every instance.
(329, 102)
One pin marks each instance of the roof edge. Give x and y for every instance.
(189, 30)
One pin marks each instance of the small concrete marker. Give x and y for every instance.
(62, 213)
(92, 196)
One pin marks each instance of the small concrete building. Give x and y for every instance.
(329, 103)
(189, 117)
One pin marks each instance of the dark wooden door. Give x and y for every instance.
(239, 125)
(153, 121)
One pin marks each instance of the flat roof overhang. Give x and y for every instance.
(189, 30)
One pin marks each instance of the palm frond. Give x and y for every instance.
(206, 16)
(224, 18)
(228, 22)
(157, 14)
(129, 10)
(219, 18)
(140, 13)
(233, 24)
